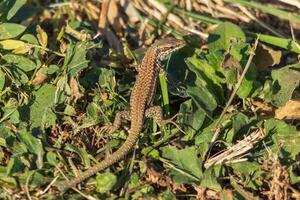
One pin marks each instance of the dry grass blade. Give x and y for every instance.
(236, 150)
(292, 2)
(159, 12)
(104, 28)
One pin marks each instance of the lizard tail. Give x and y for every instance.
(113, 158)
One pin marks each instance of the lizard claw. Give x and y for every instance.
(108, 129)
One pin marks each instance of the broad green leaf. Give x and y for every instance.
(243, 194)
(33, 144)
(75, 59)
(238, 121)
(92, 110)
(203, 137)
(10, 30)
(14, 165)
(35, 179)
(249, 173)
(10, 111)
(38, 111)
(210, 179)
(11, 44)
(285, 81)
(14, 8)
(193, 117)
(51, 69)
(286, 138)
(20, 61)
(15, 117)
(7, 181)
(51, 158)
(187, 163)
(31, 39)
(203, 99)
(18, 76)
(105, 182)
(107, 78)
(223, 36)
(6, 136)
(204, 69)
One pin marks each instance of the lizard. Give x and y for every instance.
(141, 99)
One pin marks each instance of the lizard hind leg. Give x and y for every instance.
(156, 112)
(120, 116)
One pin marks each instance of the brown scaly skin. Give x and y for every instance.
(140, 106)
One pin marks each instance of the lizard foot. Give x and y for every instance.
(108, 129)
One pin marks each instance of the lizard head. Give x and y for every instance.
(166, 46)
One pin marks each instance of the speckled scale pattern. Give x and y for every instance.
(140, 101)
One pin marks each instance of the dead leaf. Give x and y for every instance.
(105, 30)
(264, 110)
(93, 10)
(291, 110)
(42, 38)
(114, 18)
(230, 62)
(39, 77)
(266, 57)
(75, 93)
(130, 10)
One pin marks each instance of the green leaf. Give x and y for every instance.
(51, 158)
(33, 144)
(167, 195)
(10, 30)
(10, 111)
(35, 179)
(240, 127)
(210, 179)
(249, 173)
(20, 61)
(187, 163)
(193, 117)
(286, 138)
(2, 80)
(105, 182)
(81, 152)
(38, 110)
(14, 165)
(285, 81)
(75, 59)
(222, 37)
(14, 8)
(240, 190)
(51, 69)
(92, 110)
(203, 99)
(18, 76)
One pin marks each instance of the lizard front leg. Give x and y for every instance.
(156, 113)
